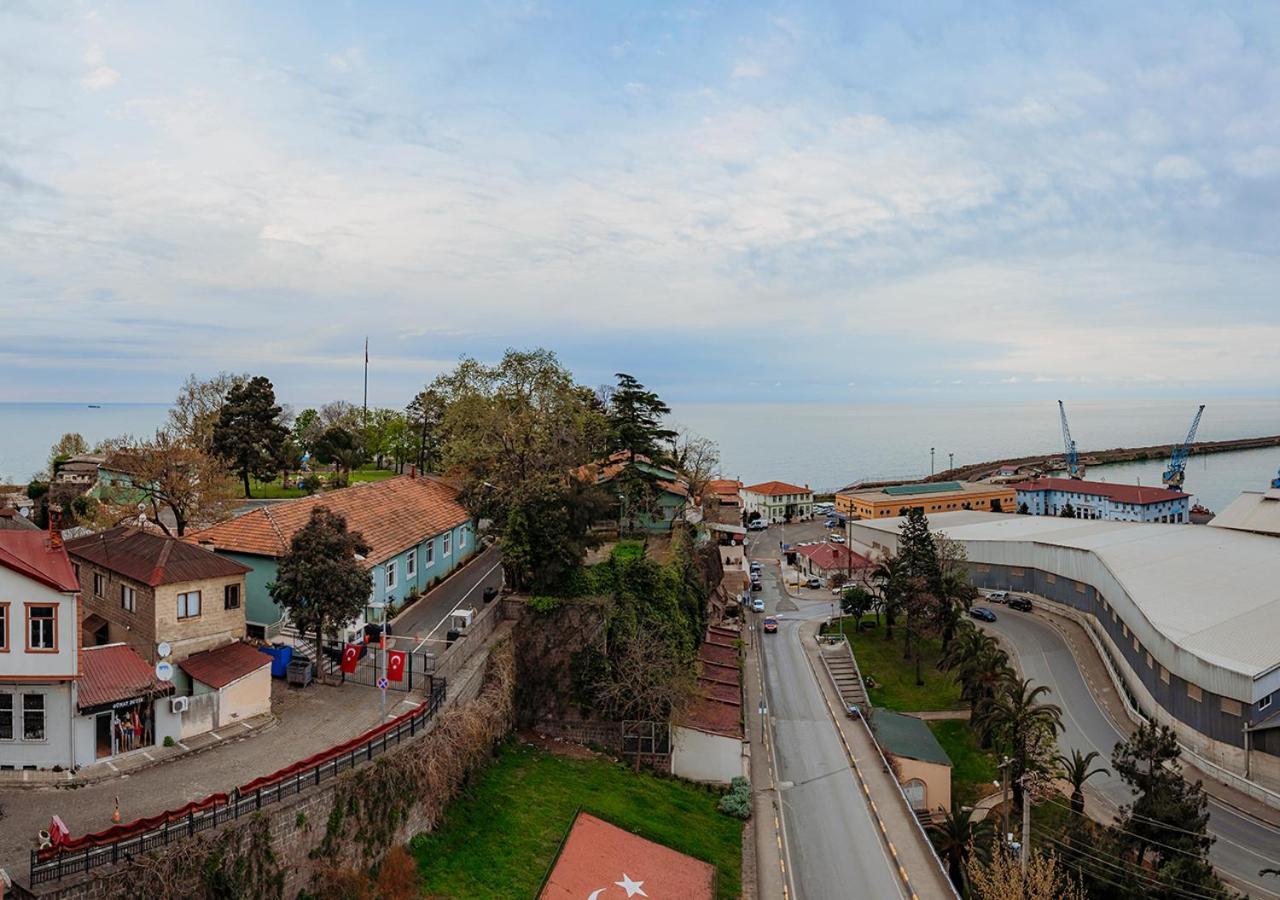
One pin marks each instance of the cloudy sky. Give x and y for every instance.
(830, 200)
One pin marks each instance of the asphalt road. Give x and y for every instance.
(834, 844)
(1243, 846)
(425, 620)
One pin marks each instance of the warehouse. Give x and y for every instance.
(1189, 616)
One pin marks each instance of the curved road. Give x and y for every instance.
(834, 846)
(1243, 846)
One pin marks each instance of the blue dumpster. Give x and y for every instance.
(281, 655)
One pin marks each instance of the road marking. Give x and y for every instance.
(479, 582)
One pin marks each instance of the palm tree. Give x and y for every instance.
(889, 577)
(956, 836)
(1076, 770)
(1012, 716)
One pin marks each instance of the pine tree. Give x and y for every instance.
(635, 416)
(249, 434)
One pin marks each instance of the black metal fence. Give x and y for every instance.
(65, 863)
(370, 667)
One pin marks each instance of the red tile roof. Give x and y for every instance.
(115, 672)
(1120, 493)
(725, 489)
(223, 665)
(774, 488)
(833, 557)
(151, 558)
(28, 553)
(597, 859)
(718, 707)
(393, 515)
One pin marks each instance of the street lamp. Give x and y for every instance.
(951, 460)
(930, 460)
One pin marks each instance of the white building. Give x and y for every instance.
(706, 745)
(39, 648)
(1103, 500)
(777, 501)
(1256, 511)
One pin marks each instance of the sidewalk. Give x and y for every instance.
(902, 832)
(766, 838)
(1099, 681)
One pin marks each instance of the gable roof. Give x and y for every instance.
(907, 736)
(608, 469)
(827, 555)
(717, 708)
(28, 553)
(150, 558)
(222, 665)
(13, 520)
(1120, 493)
(115, 672)
(776, 488)
(392, 515)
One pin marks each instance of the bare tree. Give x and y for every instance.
(178, 485)
(651, 678)
(196, 408)
(697, 458)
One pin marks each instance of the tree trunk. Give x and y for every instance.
(244, 474)
(320, 650)
(919, 680)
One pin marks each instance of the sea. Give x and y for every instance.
(829, 445)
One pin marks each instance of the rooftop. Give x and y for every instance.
(153, 559)
(597, 856)
(718, 707)
(776, 488)
(827, 555)
(934, 490)
(28, 553)
(113, 673)
(908, 737)
(1118, 493)
(607, 469)
(393, 515)
(1256, 511)
(223, 665)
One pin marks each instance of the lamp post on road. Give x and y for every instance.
(951, 461)
(931, 460)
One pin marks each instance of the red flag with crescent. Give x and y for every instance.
(350, 657)
(395, 665)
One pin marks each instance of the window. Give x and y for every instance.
(33, 717)
(99, 585)
(75, 567)
(431, 552)
(445, 549)
(1164, 674)
(6, 717)
(189, 605)
(231, 596)
(42, 632)
(1193, 692)
(128, 598)
(1079, 587)
(1135, 644)
(1051, 578)
(411, 563)
(462, 537)
(391, 574)
(4, 627)
(1150, 661)
(1231, 707)
(1265, 702)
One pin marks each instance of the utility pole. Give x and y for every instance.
(951, 460)
(364, 420)
(1026, 827)
(1004, 800)
(931, 449)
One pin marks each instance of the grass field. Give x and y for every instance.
(275, 491)
(896, 677)
(972, 768)
(500, 838)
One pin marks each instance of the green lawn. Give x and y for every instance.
(625, 550)
(972, 768)
(500, 838)
(274, 491)
(896, 677)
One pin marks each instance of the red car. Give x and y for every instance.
(770, 624)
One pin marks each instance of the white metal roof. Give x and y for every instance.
(1252, 511)
(1212, 592)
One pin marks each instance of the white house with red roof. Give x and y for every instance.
(1103, 500)
(778, 501)
(39, 650)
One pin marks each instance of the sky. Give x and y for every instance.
(828, 201)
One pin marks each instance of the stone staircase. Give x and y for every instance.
(843, 671)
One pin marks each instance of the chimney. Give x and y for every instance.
(55, 526)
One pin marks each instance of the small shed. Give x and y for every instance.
(924, 767)
(228, 684)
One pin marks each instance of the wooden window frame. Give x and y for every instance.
(13, 718)
(178, 601)
(226, 596)
(132, 605)
(100, 578)
(27, 628)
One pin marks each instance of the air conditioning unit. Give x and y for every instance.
(179, 704)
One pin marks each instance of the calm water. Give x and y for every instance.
(830, 445)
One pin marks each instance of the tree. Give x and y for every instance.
(634, 417)
(320, 582)
(340, 448)
(196, 409)
(980, 665)
(1168, 816)
(1003, 879)
(1067, 512)
(398, 876)
(652, 677)
(249, 435)
(696, 458)
(1075, 768)
(1023, 509)
(69, 445)
(958, 838)
(180, 485)
(1012, 716)
(424, 418)
(955, 592)
(307, 429)
(857, 601)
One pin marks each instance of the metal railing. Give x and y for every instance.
(60, 864)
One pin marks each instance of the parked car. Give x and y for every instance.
(834, 523)
(755, 566)
(1022, 604)
(981, 612)
(757, 605)
(840, 589)
(756, 585)
(998, 596)
(813, 582)
(837, 538)
(758, 525)
(770, 624)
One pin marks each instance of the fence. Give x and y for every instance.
(418, 668)
(50, 865)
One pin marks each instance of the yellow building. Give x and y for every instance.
(938, 496)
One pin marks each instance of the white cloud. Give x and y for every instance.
(1177, 168)
(748, 69)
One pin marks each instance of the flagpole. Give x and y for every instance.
(365, 418)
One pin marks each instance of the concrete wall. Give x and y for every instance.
(700, 756)
(259, 609)
(245, 698)
(936, 780)
(201, 715)
(137, 628)
(431, 563)
(17, 593)
(216, 625)
(1092, 506)
(56, 749)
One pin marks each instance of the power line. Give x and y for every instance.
(1135, 834)
(1123, 865)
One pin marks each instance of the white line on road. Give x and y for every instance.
(479, 582)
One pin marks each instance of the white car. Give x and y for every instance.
(758, 525)
(757, 605)
(837, 538)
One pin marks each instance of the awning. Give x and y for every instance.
(115, 677)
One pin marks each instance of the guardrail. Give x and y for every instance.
(51, 865)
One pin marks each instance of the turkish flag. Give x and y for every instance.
(395, 665)
(350, 657)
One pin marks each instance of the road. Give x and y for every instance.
(834, 845)
(425, 620)
(1243, 845)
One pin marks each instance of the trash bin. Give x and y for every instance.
(280, 655)
(489, 594)
(300, 672)
(452, 635)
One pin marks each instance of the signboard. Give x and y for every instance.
(382, 683)
(164, 670)
(163, 649)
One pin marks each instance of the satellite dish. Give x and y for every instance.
(163, 649)
(164, 670)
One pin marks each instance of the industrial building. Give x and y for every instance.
(1255, 511)
(932, 497)
(1102, 500)
(1188, 617)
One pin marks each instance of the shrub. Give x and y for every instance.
(168, 740)
(311, 483)
(737, 802)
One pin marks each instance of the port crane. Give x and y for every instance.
(1074, 468)
(1177, 470)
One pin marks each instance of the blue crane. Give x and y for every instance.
(1177, 471)
(1074, 468)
